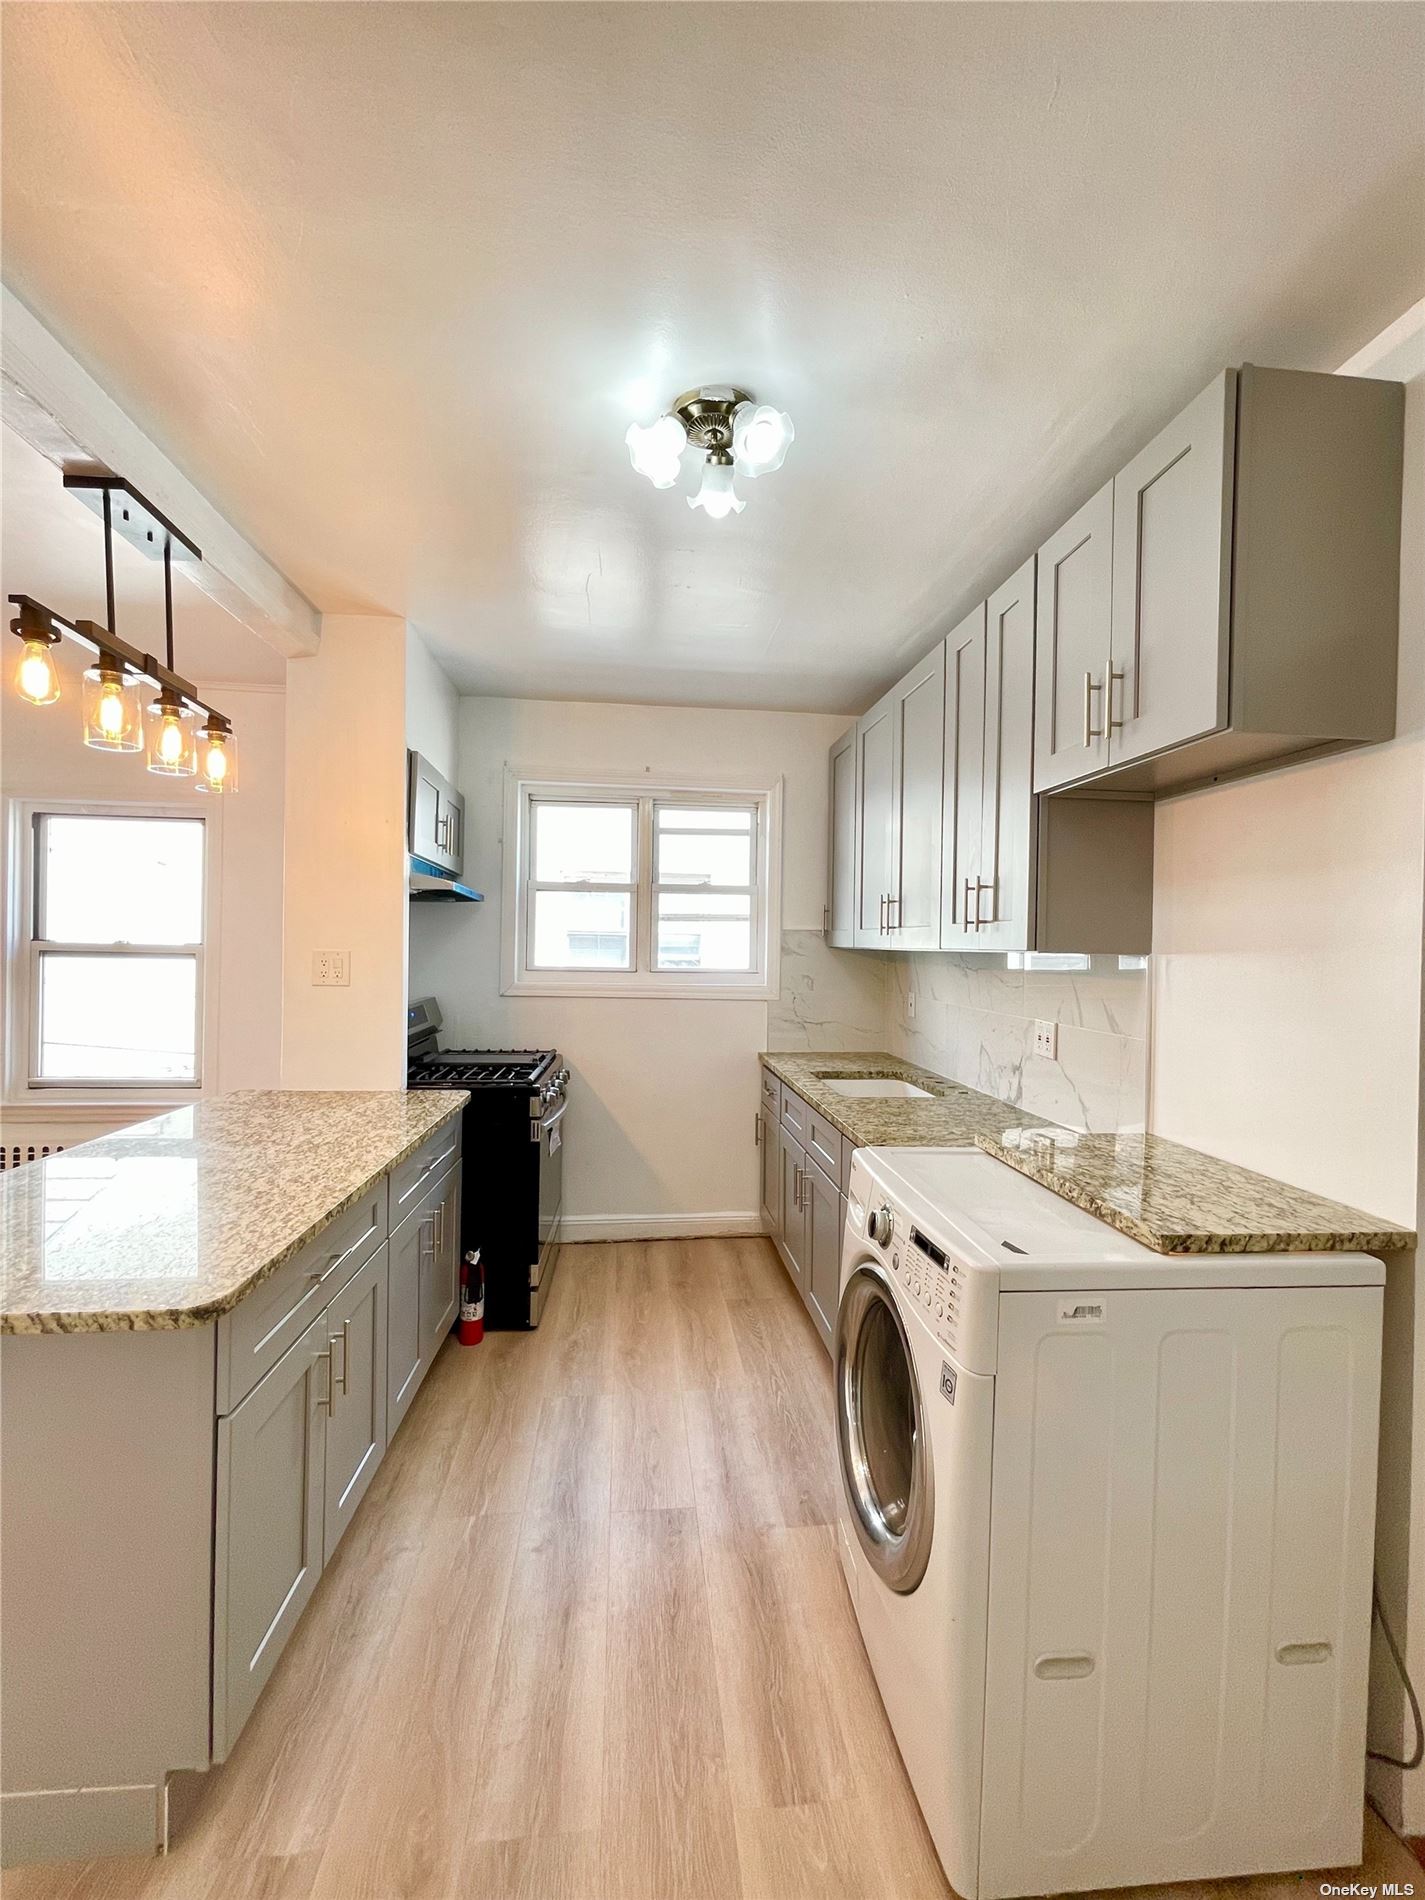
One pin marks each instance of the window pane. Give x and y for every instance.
(694, 903)
(710, 857)
(583, 844)
(707, 942)
(121, 880)
(582, 930)
(703, 818)
(118, 1018)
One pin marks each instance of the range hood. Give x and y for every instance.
(429, 884)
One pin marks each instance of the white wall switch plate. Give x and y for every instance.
(331, 969)
(1046, 1040)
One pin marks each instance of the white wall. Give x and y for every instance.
(665, 1091)
(42, 756)
(345, 869)
(432, 708)
(1287, 939)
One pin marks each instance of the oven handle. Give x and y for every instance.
(538, 1130)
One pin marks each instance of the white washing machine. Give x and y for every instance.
(1107, 1521)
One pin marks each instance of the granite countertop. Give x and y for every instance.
(171, 1222)
(956, 1117)
(1160, 1193)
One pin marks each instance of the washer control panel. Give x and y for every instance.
(933, 1280)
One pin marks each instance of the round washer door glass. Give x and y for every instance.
(885, 1462)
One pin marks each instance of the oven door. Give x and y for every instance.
(549, 1132)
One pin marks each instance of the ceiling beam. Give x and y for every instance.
(54, 404)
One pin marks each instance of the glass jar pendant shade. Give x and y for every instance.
(113, 721)
(36, 676)
(217, 758)
(171, 749)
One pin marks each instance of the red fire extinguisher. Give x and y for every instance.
(472, 1301)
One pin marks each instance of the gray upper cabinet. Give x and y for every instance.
(1172, 553)
(875, 822)
(919, 734)
(1075, 610)
(841, 843)
(435, 816)
(356, 1418)
(1004, 910)
(963, 819)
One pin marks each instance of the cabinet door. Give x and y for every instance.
(1071, 645)
(919, 791)
(423, 808)
(404, 1363)
(825, 1217)
(875, 822)
(841, 844)
(452, 826)
(356, 1424)
(1172, 549)
(440, 1269)
(964, 779)
(769, 1164)
(1005, 893)
(269, 1545)
(792, 1232)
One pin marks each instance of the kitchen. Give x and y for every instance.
(765, 941)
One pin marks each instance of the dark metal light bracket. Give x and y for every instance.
(133, 516)
(40, 622)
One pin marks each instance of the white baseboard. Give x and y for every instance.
(577, 1227)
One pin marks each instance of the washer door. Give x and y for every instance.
(880, 1428)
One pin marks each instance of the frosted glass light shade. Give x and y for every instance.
(717, 496)
(656, 451)
(113, 721)
(171, 751)
(761, 436)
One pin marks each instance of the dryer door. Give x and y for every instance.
(881, 1432)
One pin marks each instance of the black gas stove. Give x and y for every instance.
(513, 1137)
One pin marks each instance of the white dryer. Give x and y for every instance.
(1107, 1523)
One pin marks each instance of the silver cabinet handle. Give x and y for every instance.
(757, 1130)
(970, 913)
(1091, 686)
(339, 1384)
(881, 926)
(1115, 673)
(980, 886)
(324, 1404)
(334, 1260)
(796, 1186)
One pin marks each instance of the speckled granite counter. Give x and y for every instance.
(1178, 1200)
(1164, 1195)
(171, 1222)
(956, 1117)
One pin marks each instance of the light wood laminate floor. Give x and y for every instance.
(587, 1637)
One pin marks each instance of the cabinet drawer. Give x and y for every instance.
(418, 1172)
(254, 1336)
(795, 1114)
(770, 1086)
(824, 1145)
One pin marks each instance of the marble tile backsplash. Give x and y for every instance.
(973, 1020)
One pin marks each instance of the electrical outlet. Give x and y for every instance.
(331, 969)
(910, 1006)
(1046, 1040)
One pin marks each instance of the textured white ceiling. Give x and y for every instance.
(52, 547)
(389, 282)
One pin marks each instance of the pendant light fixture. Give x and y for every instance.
(178, 728)
(733, 434)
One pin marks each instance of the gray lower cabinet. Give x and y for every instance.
(825, 1218)
(440, 1271)
(271, 1491)
(356, 1417)
(804, 1161)
(404, 1363)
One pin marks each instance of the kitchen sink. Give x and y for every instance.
(880, 1088)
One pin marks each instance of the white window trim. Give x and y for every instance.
(20, 1025)
(759, 984)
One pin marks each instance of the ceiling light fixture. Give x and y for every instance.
(732, 433)
(112, 721)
